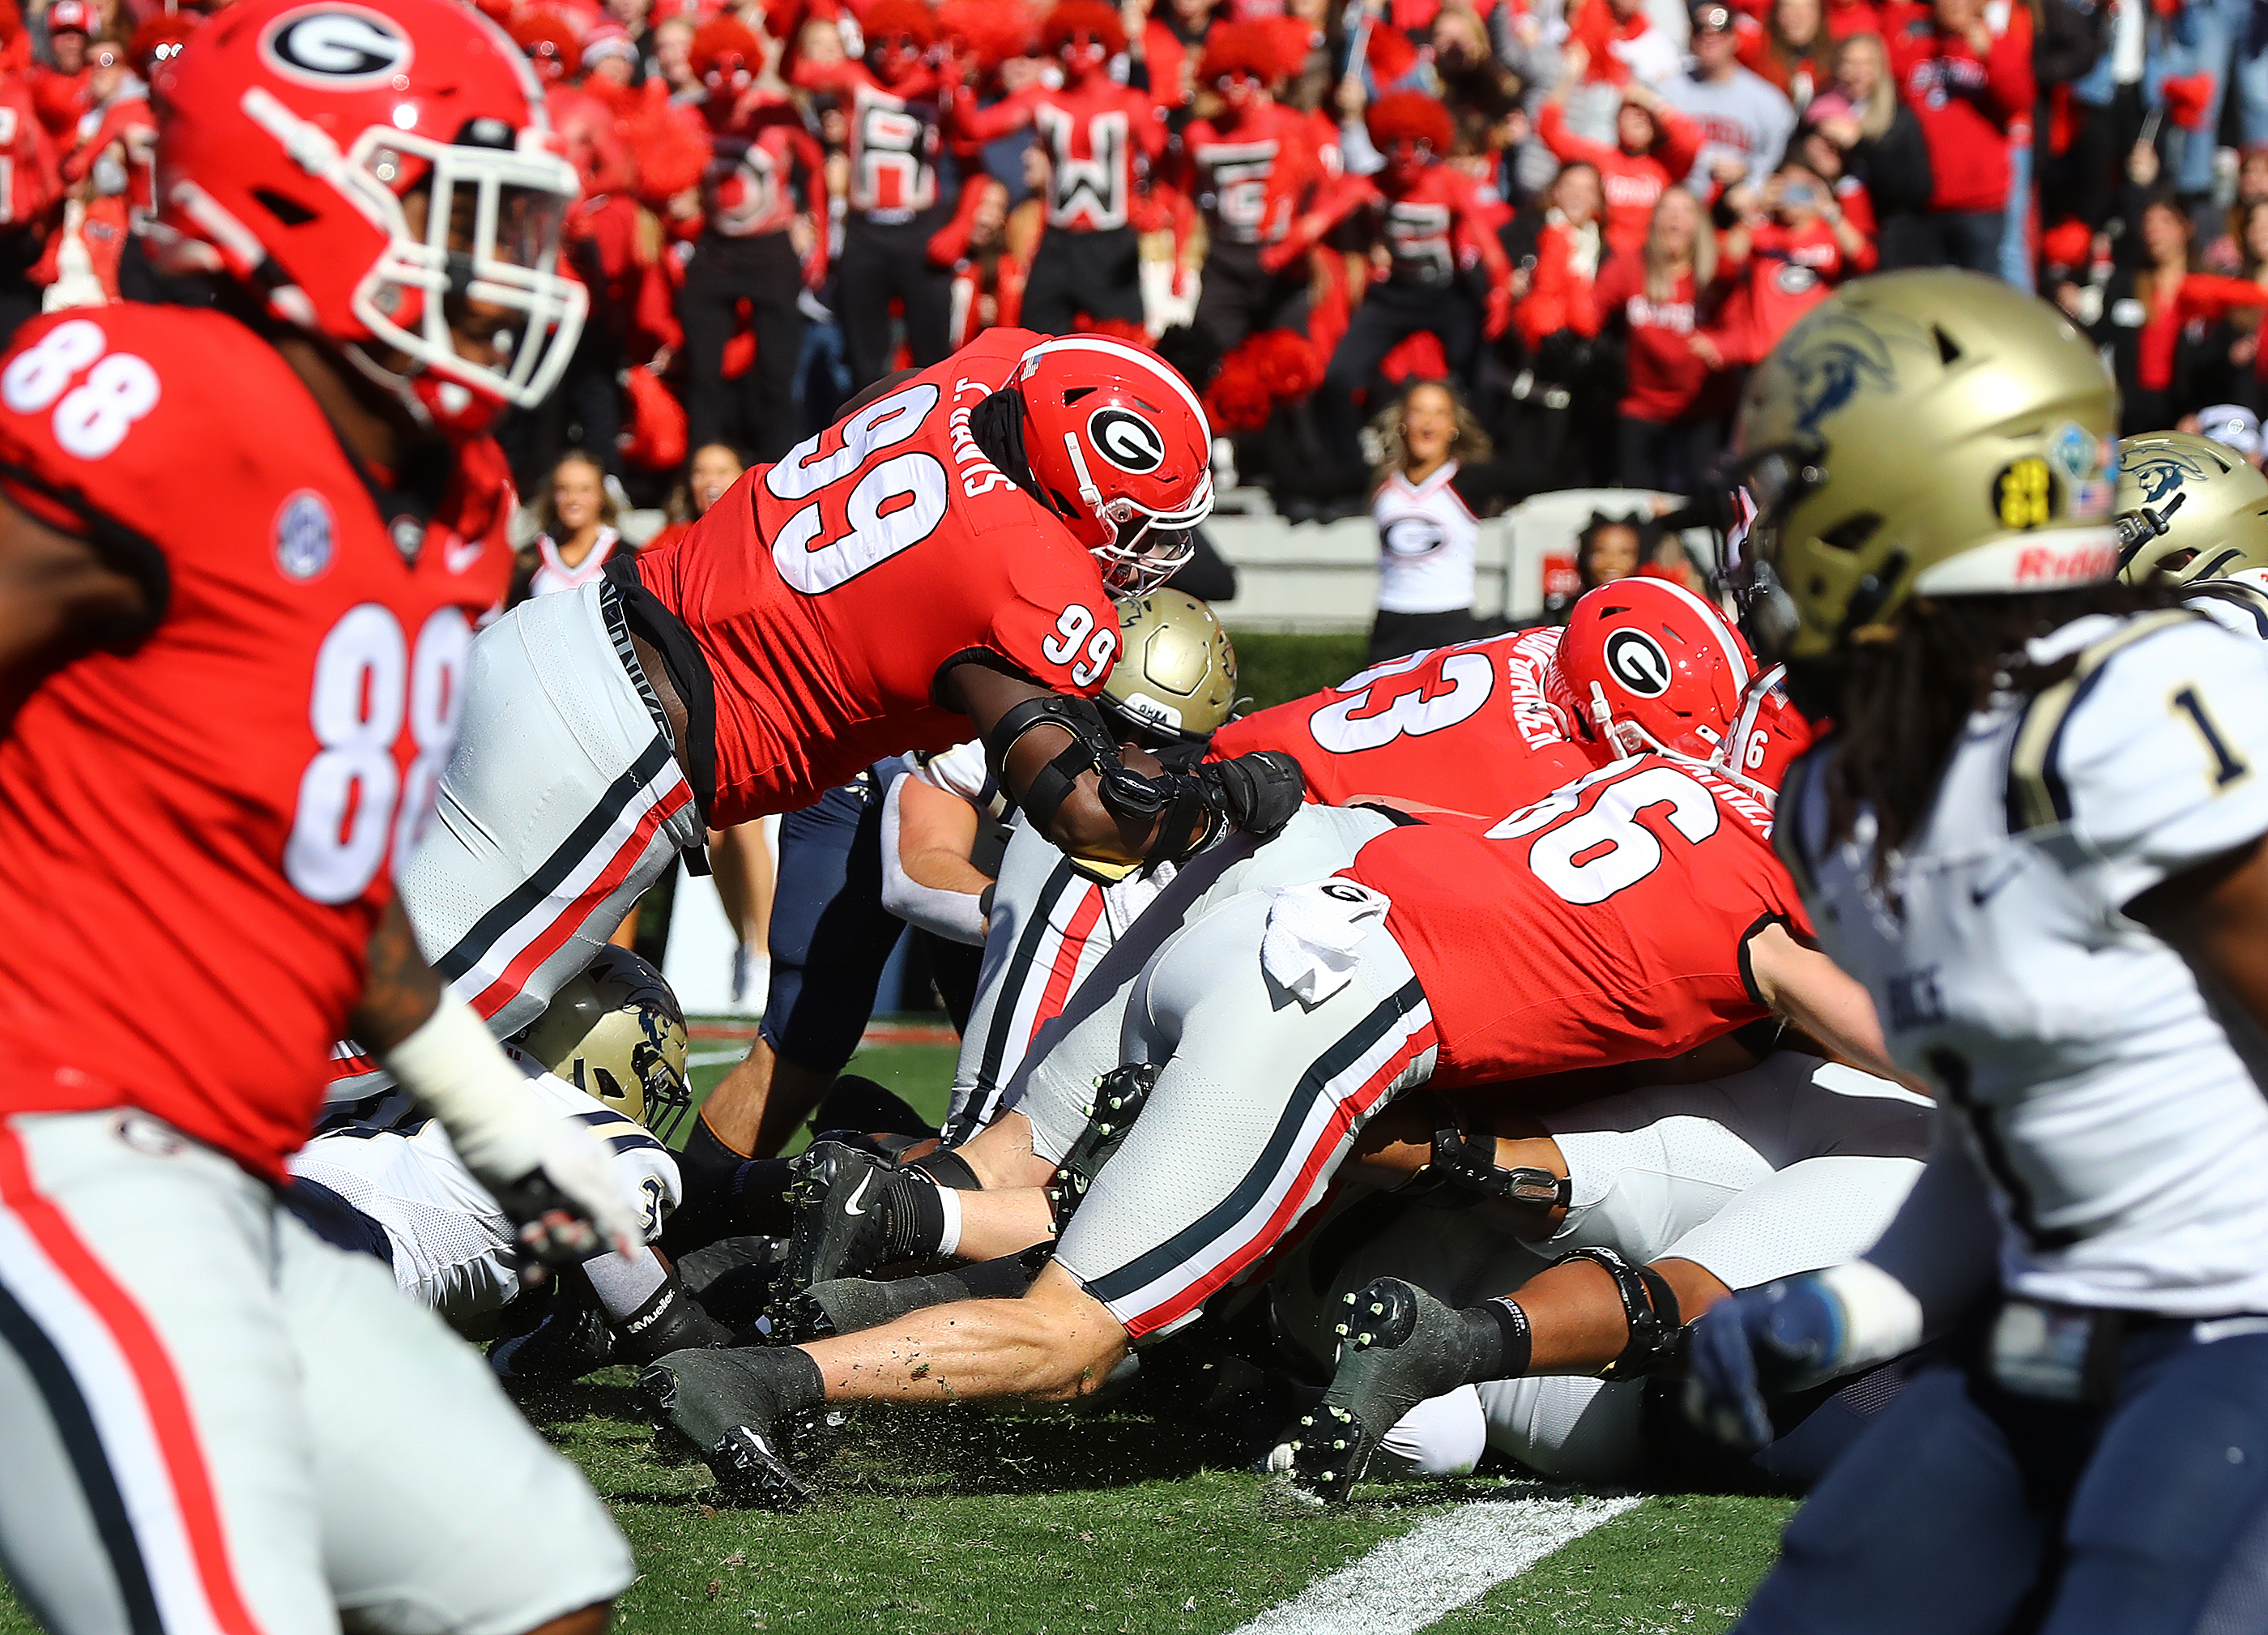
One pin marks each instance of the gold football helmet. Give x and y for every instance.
(616, 1033)
(1924, 433)
(1176, 678)
(2188, 508)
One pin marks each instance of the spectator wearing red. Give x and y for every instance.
(31, 188)
(1791, 244)
(1670, 421)
(1792, 51)
(1560, 297)
(1967, 87)
(2164, 322)
(1250, 167)
(1618, 42)
(765, 172)
(897, 204)
(1443, 270)
(1099, 138)
(1654, 147)
(1846, 18)
(59, 85)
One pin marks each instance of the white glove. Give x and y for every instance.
(554, 1177)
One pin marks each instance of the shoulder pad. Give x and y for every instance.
(2037, 795)
(2241, 607)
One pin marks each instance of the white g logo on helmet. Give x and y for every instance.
(1126, 440)
(337, 48)
(1636, 660)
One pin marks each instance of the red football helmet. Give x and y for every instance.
(1767, 735)
(547, 43)
(1656, 668)
(1117, 442)
(384, 180)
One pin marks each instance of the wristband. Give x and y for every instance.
(459, 1074)
(1881, 1317)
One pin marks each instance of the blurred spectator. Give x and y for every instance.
(1560, 297)
(1745, 120)
(1430, 237)
(895, 242)
(1612, 42)
(1794, 51)
(1426, 531)
(764, 171)
(713, 468)
(1860, 135)
(1609, 549)
(1967, 87)
(1098, 138)
(1790, 244)
(578, 517)
(1669, 426)
(2164, 322)
(32, 187)
(59, 84)
(2232, 425)
(1654, 149)
(1250, 166)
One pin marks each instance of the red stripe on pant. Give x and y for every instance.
(1337, 1132)
(1066, 961)
(162, 1396)
(502, 991)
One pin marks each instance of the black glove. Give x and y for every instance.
(1260, 792)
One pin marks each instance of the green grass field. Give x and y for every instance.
(1056, 1521)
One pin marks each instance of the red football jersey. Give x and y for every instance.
(1483, 728)
(196, 828)
(827, 591)
(1604, 923)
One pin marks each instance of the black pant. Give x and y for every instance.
(1398, 635)
(1099, 274)
(754, 413)
(1235, 298)
(1674, 456)
(1970, 239)
(585, 410)
(1389, 314)
(883, 262)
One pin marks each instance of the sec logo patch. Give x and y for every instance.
(305, 539)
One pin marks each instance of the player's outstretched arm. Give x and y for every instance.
(59, 596)
(553, 1176)
(1810, 990)
(1059, 764)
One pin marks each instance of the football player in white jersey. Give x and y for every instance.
(2037, 836)
(608, 1051)
(2194, 512)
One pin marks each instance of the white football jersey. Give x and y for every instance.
(454, 1250)
(2239, 605)
(2125, 1136)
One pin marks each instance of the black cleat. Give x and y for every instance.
(1398, 1346)
(727, 1405)
(1119, 1095)
(839, 1227)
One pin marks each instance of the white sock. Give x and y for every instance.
(624, 1282)
(948, 1240)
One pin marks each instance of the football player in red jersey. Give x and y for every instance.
(1475, 730)
(241, 551)
(1097, 135)
(938, 562)
(1635, 913)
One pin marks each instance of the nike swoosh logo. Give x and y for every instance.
(850, 1205)
(460, 554)
(1978, 895)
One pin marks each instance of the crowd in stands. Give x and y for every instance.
(1588, 216)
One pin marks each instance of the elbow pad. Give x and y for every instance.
(1188, 810)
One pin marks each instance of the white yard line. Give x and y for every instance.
(712, 1058)
(1447, 1559)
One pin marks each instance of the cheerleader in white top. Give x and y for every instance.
(578, 535)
